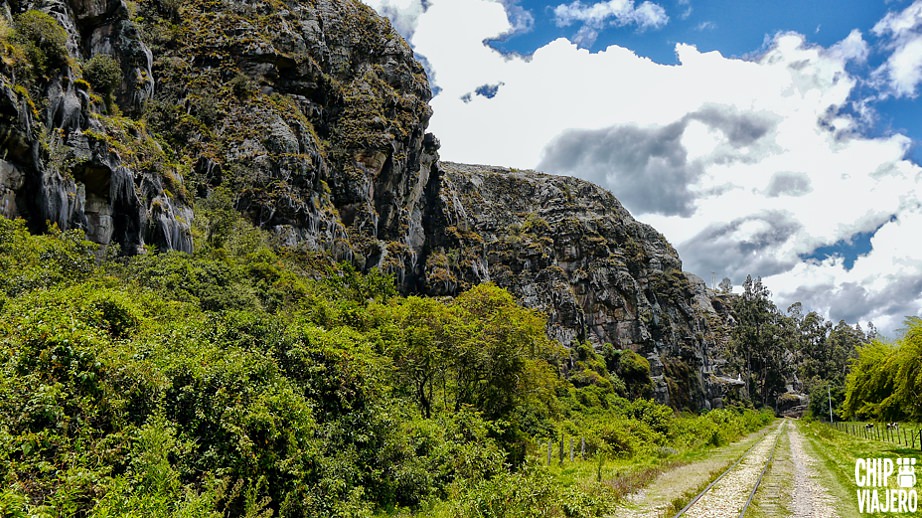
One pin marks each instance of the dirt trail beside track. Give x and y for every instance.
(790, 487)
(674, 485)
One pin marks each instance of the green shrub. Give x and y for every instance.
(529, 493)
(44, 38)
(103, 73)
(170, 8)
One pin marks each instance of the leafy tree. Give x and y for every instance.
(760, 337)
(885, 382)
(419, 352)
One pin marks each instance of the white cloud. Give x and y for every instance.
(902, 72)
(522, 19)
(883, 286)
(614, 13)
(852, 48)
(403, 14)
(746, 165)
(706, 26)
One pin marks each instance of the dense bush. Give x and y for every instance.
(103, 73)
(885, 380)
(44, 38)
(240, 381)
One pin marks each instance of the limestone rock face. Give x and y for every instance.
(312, 113)
(68, 160)
(568, 247)
(311, 116)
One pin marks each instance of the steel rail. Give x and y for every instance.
(764, 469)
(728, 470)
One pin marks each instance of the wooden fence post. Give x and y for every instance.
(549, 443)
(582, 448)
(571, 449)
(561, 450)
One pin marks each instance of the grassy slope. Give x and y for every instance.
(837, 452)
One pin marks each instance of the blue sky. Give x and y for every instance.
(736, 28)
(778, 139)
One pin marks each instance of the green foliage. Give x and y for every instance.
(13, 54)
(103, 73)
(240, 381)
(29, 263)
(530, 493)
(885, 382)
(822, 353)
(44, 39)
(589, 368)
(170, 8)
(759, 342)
(632, 368)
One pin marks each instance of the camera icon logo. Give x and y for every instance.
(906, 475)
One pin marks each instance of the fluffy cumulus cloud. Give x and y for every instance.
(592, 18)
(651, 168)
(748, 166)
(403, 14)
(883, 286)
(596, 16)
(903, 69)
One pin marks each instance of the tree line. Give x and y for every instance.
(774, 349)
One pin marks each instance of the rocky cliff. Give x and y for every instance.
(312, 114)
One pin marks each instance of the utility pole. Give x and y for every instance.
(829, 395)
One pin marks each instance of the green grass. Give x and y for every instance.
(838, 451)
(625, 474)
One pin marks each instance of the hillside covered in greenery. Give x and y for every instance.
(247, 381)
(236, 280)
(126, 119)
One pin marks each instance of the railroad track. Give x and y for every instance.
(731, 493)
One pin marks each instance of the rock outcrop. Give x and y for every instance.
(69, 159)
(570, 248)
(312, 115)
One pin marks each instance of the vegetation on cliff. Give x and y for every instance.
(258, 375)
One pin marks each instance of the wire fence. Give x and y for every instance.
(908, 435)
(577, 450)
